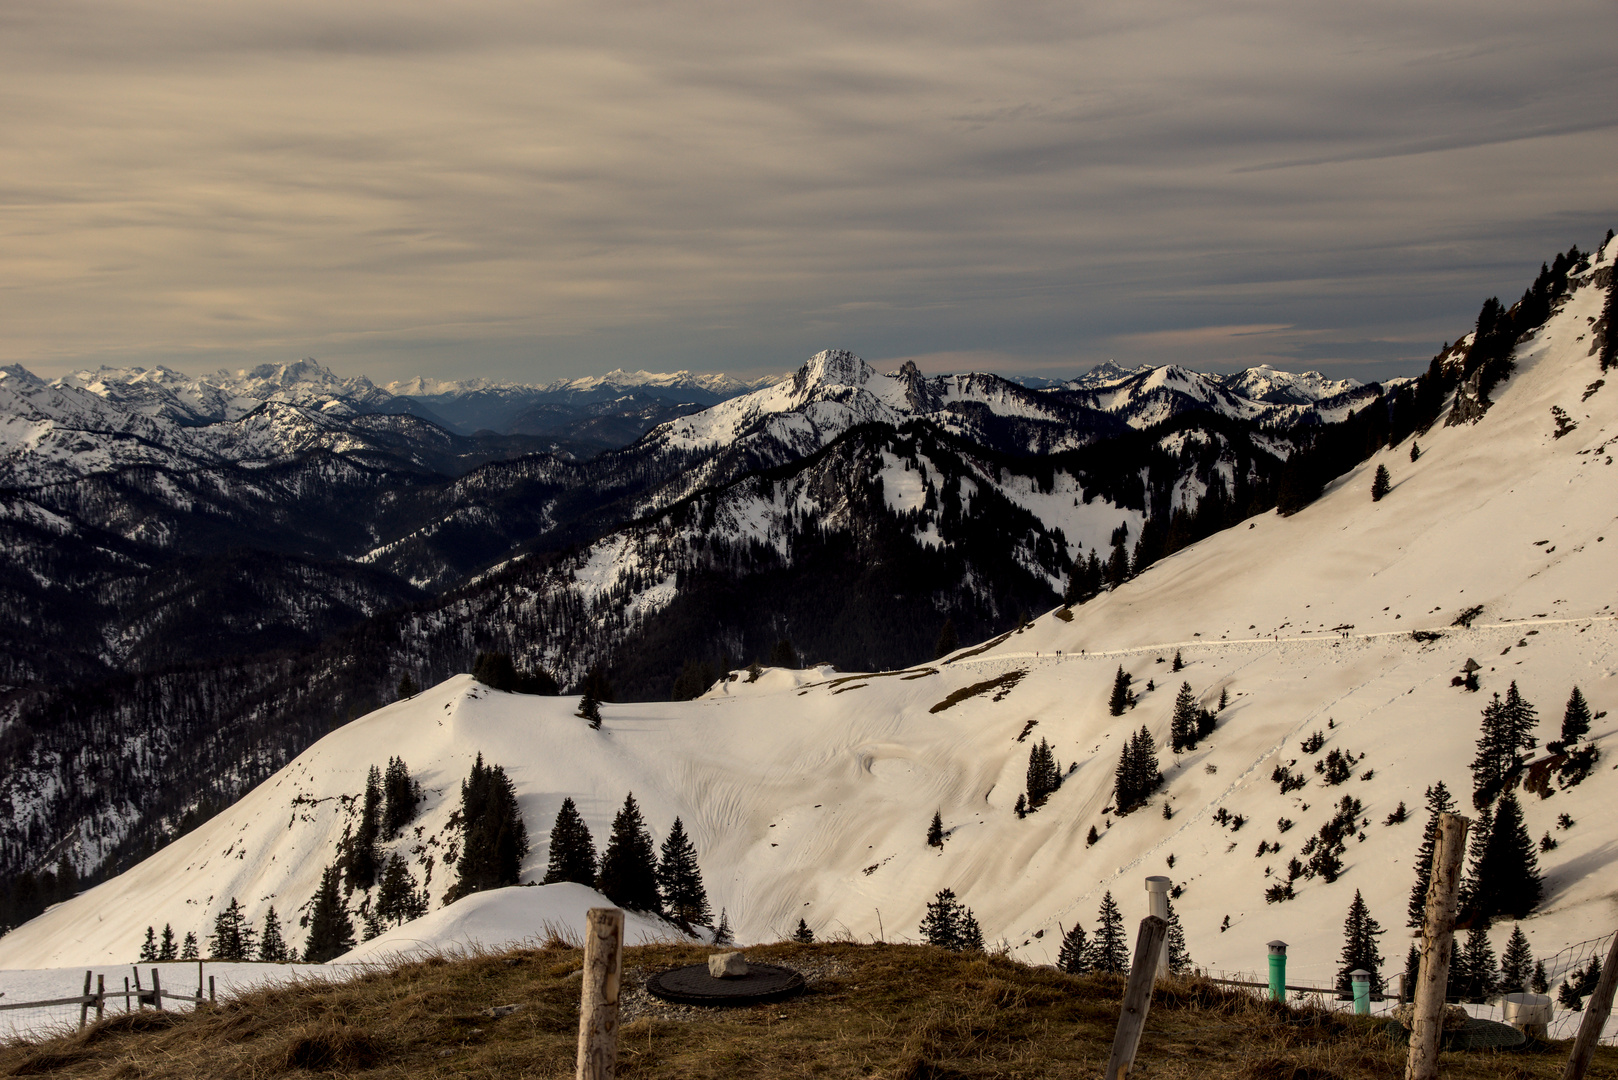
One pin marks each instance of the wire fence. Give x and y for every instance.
(1562, 969)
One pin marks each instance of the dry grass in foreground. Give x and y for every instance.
(890, 1011)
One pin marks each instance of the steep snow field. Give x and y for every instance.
(808, 793)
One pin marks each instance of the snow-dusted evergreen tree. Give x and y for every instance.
(628, 874)
(272, 947)
(1516, 964)
(1109, 950)
(188, 947)
(935, 830)
(1179, 955)
(148, 948)
(1381, 484)
(1506, 880)
(1576, 719)
(331, 929)
(232, 938)
(803, 935)
(950, 924)
(1360, 949)
(1183, 724)
(494, 838)
(680, 880)
(1074, 956)
(572, 848)
(1439, 801)
(400, 795)
(167, 949)
(1119, 701)
(722, 934)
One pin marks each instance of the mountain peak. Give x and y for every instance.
(832, 367)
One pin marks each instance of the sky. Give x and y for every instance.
(533, 190)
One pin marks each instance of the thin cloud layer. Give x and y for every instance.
(534, 190)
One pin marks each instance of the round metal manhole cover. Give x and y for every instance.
(694, 986)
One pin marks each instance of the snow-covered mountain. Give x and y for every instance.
(808, 793)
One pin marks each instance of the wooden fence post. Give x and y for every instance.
(598, 1005)
(1595, 1016)
(210, 990)
(157, 991)
(84, 1006)
(1437, 947)
(1137, 997)
(126, 993)
(101, 997)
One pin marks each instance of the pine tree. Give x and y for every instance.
(1438, 802)
(1520, 720)
(1043, 775)
(590, 709)
(947, 641)
(1507, 880)
(1540, 984)
(1360, 949)
(935, 831)
(950, 924)
(1021, 809)
(1477, 842)
(362, 854)
(680, 879)
(397, 900)
(1495, 752)
(722, 934)
(1074, 956)
(188, 948)
(803, 935)
(628, 873)
(272, 947)
(1381, 483)
(232, 938)
(167, 948)
(1412, 968)
(399, 795)
(1517, 964)
(331, 930)
(1137, 775)
(1179, 955)
(1415, 451)
(1178, 662)
(494, 838)
(407, 687)
(1109, 951)
(1224, 698)
(1119, 701)
(572, 848)
(783, 655)
(1576, 720)
(148, 948)
(1482, 976)
(1183, 724)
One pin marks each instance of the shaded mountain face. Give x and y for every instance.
(203, 600)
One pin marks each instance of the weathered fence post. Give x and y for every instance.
(1361, 980)
(126, 993)
(1437, 947)
(1157, 897)
(140, 995)
(157, 991)
(210, 990)
(1137, 997)
(84, 1006)
(1595, 1016)
(1278, 970)
(101, 997)
(598, 1005)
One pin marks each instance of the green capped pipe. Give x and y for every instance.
(1362, 991)
(1278, 970)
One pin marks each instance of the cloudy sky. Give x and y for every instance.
(526, 190)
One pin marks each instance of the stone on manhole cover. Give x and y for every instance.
(694, 986)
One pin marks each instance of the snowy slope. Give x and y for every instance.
(808, 793)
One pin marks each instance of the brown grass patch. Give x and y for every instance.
(1001, 685)
(878, 1011)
